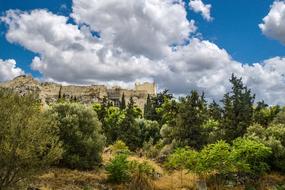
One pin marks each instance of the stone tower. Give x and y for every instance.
(149, 88)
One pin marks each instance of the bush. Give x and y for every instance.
(118, 169)
(80, 132)
(28, 138)
(250, 156)
(121, 170)
(246, 158)
(273, 137)
(182, 158)
(120, 147)
(215, 159)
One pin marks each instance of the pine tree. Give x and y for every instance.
(215, 111)
(238, 109)
(153, 103)
(191, 115)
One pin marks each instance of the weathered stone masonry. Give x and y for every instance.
(50, 92)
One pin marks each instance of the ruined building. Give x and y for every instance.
(50, 92)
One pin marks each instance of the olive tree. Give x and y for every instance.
(28, 138)
(80, 132)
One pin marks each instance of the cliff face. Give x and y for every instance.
(50, 92)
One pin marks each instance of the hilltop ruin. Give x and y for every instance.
(49, 92)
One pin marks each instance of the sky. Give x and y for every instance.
(182, 45)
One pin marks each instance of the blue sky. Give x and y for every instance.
(234, 28)
(136, 39)
(15, 51)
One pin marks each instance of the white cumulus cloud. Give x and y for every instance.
(9, 70)
(199, 7)
(141, 27)
(273, 24)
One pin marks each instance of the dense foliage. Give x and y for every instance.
(28, 138)
(80, 132)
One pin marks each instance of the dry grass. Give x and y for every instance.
(152, 163)
(176, 180)
(65, 179)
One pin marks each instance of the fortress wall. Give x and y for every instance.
(49, 92)
(149, 88)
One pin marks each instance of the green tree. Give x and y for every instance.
(153, 103)
(168, 111)
(28, 138)
(101, 109)
(123, 102)
(80, 132)
(148, 111)
(280, 117)
(148, 130)
(264, 115)
(212, 130)
(238, 109)
(112, 123)
(129, 130)
(190, 118)
(215, 111)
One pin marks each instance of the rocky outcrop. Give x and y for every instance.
(49, 92)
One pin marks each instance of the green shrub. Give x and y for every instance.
(28, 138)
(118, 169)
(245, 157)
(215, 159)
(120, 147)
(80, 132)
(250, 156)
(182, 158)
(274, 137)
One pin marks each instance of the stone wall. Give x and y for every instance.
(50, 92)
(150, 88)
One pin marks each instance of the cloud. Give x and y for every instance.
(71, 53)
(267, 80)
(199, 7)
(141, 27)
(273, 24)
(8, 70)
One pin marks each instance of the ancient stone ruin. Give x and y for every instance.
(49, 92)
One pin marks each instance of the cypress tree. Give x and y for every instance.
(129, 130)
(147, 107)
(123, 102)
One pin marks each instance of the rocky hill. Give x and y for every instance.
(50, 92)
